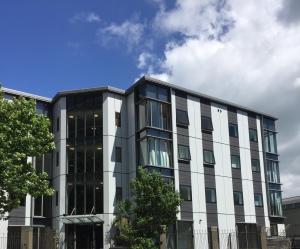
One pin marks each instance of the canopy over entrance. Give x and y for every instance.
(82, 219)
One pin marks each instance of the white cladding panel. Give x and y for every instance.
(246, 168)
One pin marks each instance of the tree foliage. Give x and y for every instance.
(23, 134)
(153, 208)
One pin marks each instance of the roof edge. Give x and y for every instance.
(25, 94)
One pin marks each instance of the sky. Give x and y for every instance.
(246, 52)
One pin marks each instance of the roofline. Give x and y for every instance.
(25, 94)
(197, 94)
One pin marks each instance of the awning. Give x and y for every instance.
(82, 219)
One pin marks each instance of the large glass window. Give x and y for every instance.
(208, 157)
(206, 124)
(182, 118)
(253, 135)
(269, 124)
(89, 130)
(270, 142)
(275, 203)
(238, 198)
(71, 126)
(71, 161)
(38, 203)
(154, 92)
(273, 171)
(155, 114)
(235, 161)
(210, 194)
(255, 165)
(89, 165)
(80, 127)
(258, 199)
(184, 152)
(186, 192)
(80, 161)
(233, 130)
(155, 152)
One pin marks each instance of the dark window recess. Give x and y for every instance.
(182, 118)
(38, 206)
(184, 152)
(233, 130)
(56, 198)
(238, 198)
(118, 154)
(39, 164)
(235, 161)
(57, 158)
(255, 165)
(208, 157)
(23, 201)
(206, 124)
(118, 119)
(71, 126)
(186, 192)
(258, 199)
(119, 194)
(253, 135)
(71, 161)
(57, 124)
(210, 194)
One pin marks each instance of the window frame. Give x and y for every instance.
(261, 198)
(118, 154)
(189, 187)
(118, 121)
(211, 128)
(256, 135)
(57, 124)
(213, 157)
(237, 130)
(240, 193)
(188, 150)
(181, 122)
(255, 160)
(215, 195)
(239, 160)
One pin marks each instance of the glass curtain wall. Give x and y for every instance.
(275, 203)
(273, 171)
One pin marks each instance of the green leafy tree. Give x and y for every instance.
(153, 209)
(23, 134)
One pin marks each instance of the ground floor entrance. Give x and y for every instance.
(87, 236)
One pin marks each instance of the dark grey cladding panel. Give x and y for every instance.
(210, 181)
(257, 188)
(260, 220)
(17, 216)
(184, 167)
(186, 210)
(256, 177)
(234, 150)
(184, 140)
(254, 154)
(208, 145)
(209, 171)
(185, 178)
(181, 103)
(207, 136)
(239, 213)
(236, 174)
(212, 220)
(183, 131)
(234, 141)
(252, 121)
(237, 185)
(254, 146)
(205, 109)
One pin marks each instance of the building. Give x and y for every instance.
(221, 156)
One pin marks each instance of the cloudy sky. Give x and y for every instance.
(243, 51)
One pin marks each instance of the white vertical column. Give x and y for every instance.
(28, 203)
(246, 168)
(197, 173)
(262, 172)
(175, 147)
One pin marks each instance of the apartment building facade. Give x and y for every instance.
(222, 158)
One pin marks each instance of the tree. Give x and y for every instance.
(151, 211)
(23, 134)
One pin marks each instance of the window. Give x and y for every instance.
(206, 124)
(275, 203)
(186, 192)
(57, 158)
(155, 92)
(208, 157)
(80, 162)
(56, 198)
(71, 161)
(210, 194)
(238, 198)
(118, 119)
(255, 165)
(233, 130)
(184, 152)
(38, 206)
(89, 125)
(119, 195)
(274, 229)
(39, 164)
(235, 161)
(71, 126)
(155, 152)
(118, 154)
(182, 118)
(273, 171)
(270, 142)
(269, 124)
(258, 199)
(57, 124)
(253, 135)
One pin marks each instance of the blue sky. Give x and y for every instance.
(46, 46)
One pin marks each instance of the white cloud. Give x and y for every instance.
(88, 17)
(241, 51)
(128, 32)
